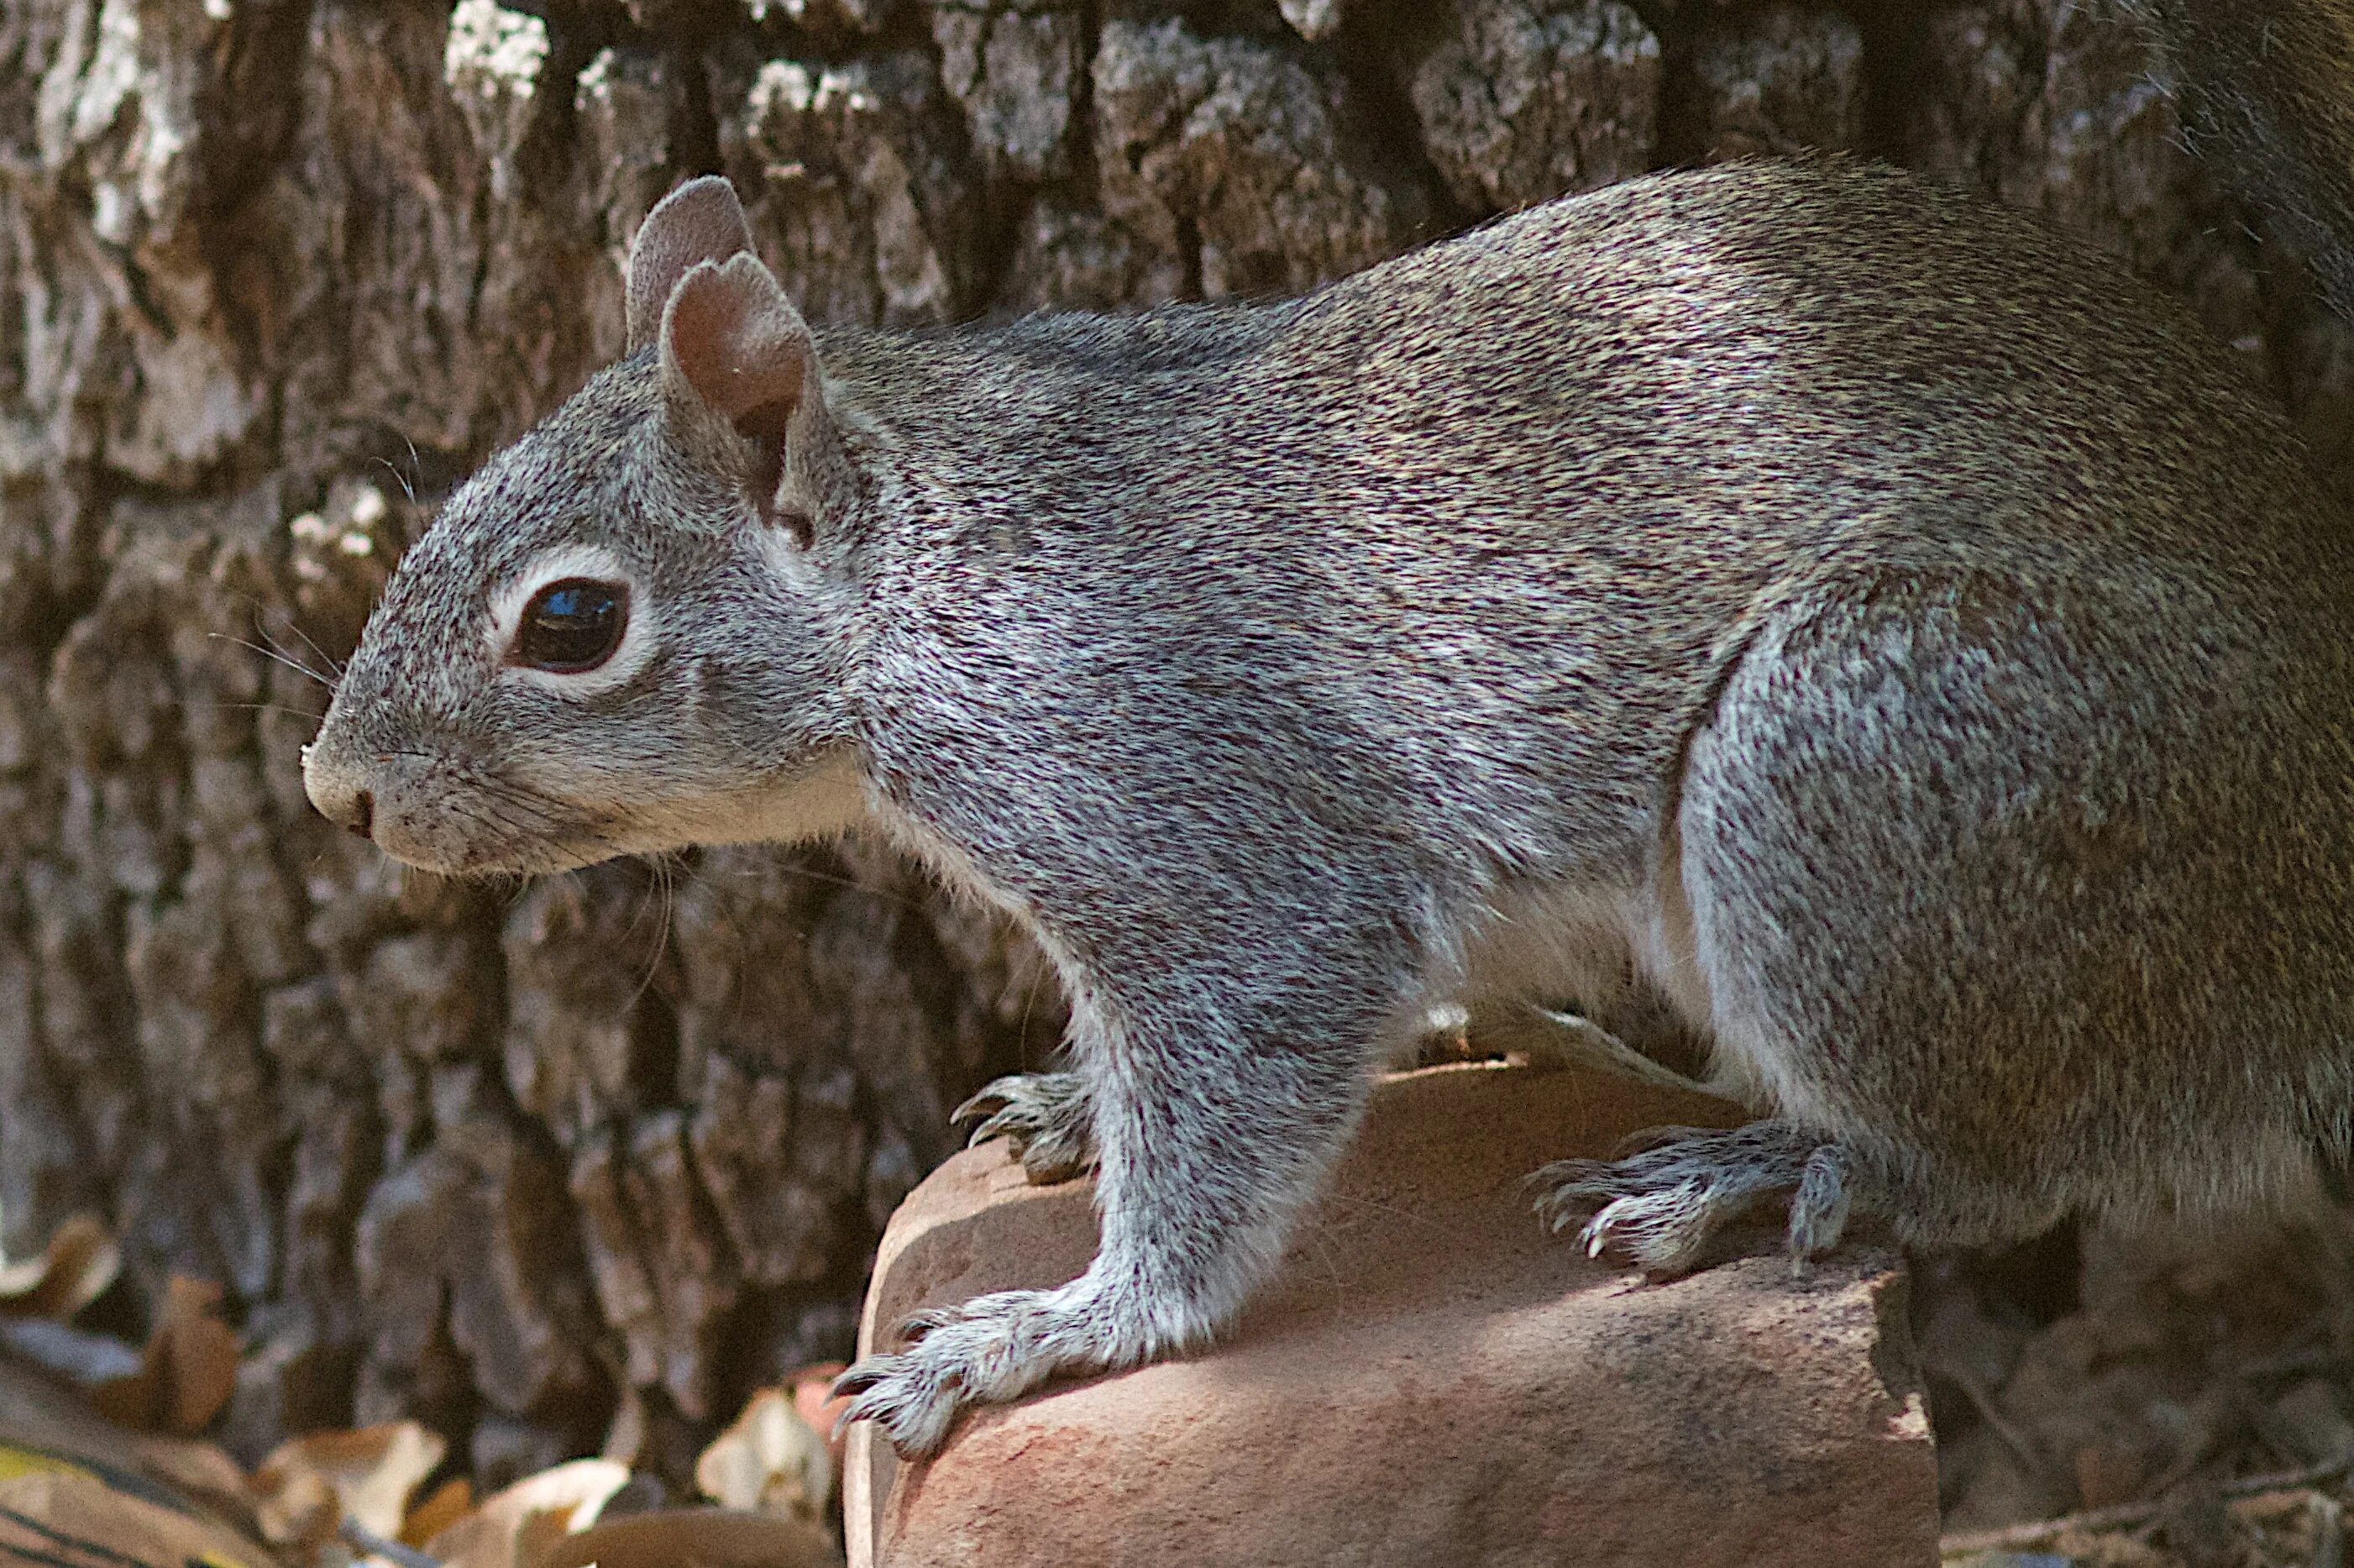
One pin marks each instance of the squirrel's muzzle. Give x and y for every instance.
(338, 792)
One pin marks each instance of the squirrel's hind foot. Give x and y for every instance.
(1658, 1208)
(1047, 1117)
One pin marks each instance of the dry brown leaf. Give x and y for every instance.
(695, 1537)
(515, 1527)
(73, 1271)
(771, 1461)
(63, 1514)
(38, 1410)
(451, 1501)
(189, 1369)
(304, 1490)
(814, 1398)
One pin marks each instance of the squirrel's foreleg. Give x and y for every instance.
(1216, 1119)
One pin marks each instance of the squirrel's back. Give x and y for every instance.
(1469, 543)
(1706, 350)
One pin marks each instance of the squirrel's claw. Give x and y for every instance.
(1046, 1116)
(915, 1325)
(1659, 1207)
(990, 1349)
(983, 1107)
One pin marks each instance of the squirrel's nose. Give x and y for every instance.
(354, 810)
(338, 796)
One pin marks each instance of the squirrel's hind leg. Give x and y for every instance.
(1046, 1117)
(1659, 1207)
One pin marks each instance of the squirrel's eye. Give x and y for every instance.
(572, 626)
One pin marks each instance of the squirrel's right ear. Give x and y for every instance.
(732, 344)
(700, 221)
(739, 381)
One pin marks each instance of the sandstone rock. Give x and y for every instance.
(1430, 1380)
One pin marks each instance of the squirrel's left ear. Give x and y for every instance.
(700, 221)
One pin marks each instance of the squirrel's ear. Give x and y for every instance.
(737, 366)
(700, 221)
(732, 344)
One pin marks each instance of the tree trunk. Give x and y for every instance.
(279, 273)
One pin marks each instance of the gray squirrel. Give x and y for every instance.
(1896, 637)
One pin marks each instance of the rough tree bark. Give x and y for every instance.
(276, 272)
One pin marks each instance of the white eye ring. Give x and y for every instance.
(558, 564)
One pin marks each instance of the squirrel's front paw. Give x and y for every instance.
(990, 1349)
(1047, 1117)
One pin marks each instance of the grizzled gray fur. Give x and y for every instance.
(1899, 640)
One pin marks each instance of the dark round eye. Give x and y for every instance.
(572, 625)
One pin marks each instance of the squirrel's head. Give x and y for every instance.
(629, 633)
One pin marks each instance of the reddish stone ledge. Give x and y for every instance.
(1431, 1381)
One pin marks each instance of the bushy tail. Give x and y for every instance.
(2268, 89)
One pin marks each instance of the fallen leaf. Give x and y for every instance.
(198, 1468)
(41, 1413)
(77, 1354)
(189, 1370)
(451, 1501)
(66, 1515)
(515, 1527)
(817, 1404)
(80, 1261)
(771, 1461)
(695, 1537)
(305, 1490)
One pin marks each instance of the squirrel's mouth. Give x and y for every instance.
(460, 838)
(462, 822)
(447, 814)
(467, 855)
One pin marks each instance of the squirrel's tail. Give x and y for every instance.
(2267, 87)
